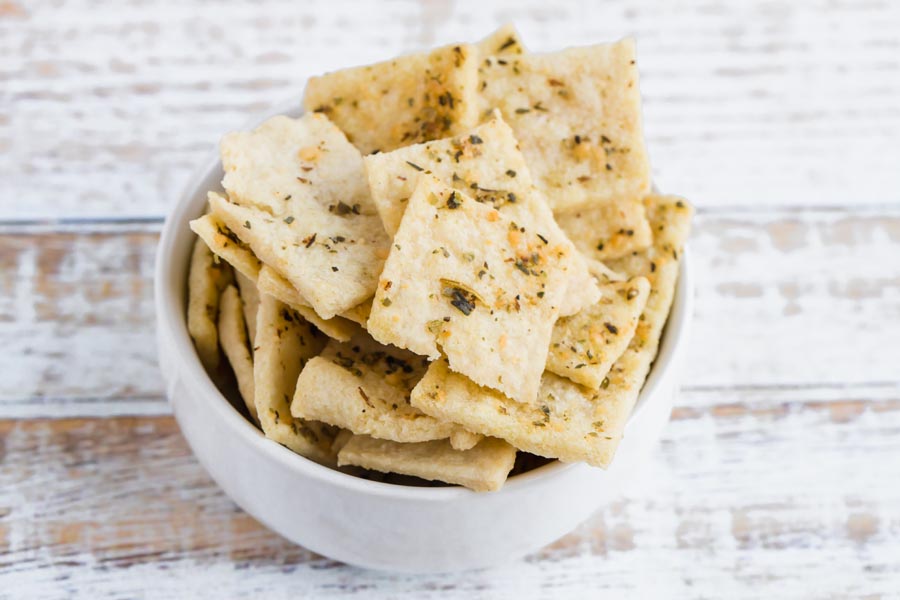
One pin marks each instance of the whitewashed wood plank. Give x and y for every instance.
(738, 502)
(105, 110)
(783, 299)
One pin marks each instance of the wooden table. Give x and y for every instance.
(780, 472)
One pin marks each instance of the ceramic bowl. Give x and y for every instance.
(369, 523)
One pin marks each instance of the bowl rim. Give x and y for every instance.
(172, 326)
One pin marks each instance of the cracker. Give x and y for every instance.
(584, 346)
(608, 230)
(484, 162)
(409, 99)
(577, 116)
(568, 421)
(298, 196)
(225, 244)
(359, 314)
(249, 303)
(462, 279)
(205, 278)
(602, 272)
(228, 246)
(505, 41)
(462, 439)
(670, 221)
(483, 468)
(270, 282)
(233, 337)
(364, 386)
(340, 440)
(283, 344)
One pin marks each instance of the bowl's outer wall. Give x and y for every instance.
(373, 524)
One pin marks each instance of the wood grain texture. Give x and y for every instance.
(105, 109)
(783, 298)
(728, 500)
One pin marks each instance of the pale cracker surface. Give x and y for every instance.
(602, 272)
(364, 386)
(409, 99)
(298, 196)
(577, 115)
(249, 302)
(483, 468)
(485, 163)
(606, 231)
(270, 282)
(585, 346)
(462, 439)
(204, 280)
(505, 41)
(283, 344)
(359, 314)
(503, 44)
(462, 279)
(568, 421)
(233, 337)
(225, 244)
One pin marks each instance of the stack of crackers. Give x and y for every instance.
(453, 257)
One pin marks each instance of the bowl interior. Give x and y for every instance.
(171, 303)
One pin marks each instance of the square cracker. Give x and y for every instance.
(577, 114)
(484, 162)
(283, 344)
(298, 196)
(482, 468)
(584, 346)
(226, 245)
(568, 421)
(233, 337)
(463, 279)
(364, 386)
(402, 101)
(206, 276)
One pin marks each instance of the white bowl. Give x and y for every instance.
(373, 524)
